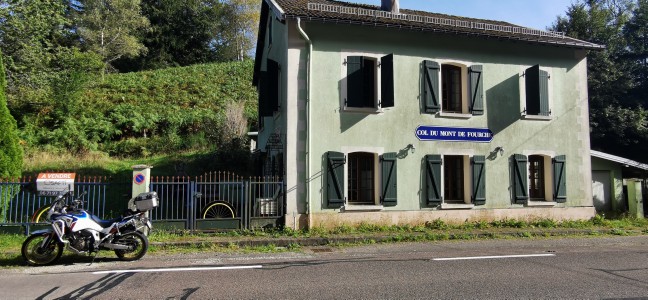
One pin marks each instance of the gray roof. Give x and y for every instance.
(352, 13)
(624, 161)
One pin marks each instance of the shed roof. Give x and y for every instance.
(625, 161)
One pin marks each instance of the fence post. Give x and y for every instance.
(193, 200)
(141, 182)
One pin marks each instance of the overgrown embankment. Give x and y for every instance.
(140, 114)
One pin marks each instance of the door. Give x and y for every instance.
(601, 190)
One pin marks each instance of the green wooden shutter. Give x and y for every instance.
(265, 109)
(335, 162)
(476, 90)
(389, 179)
(431, 101)
(433, 179)
(543, 90)
(387, 81)
(273, 86)
(355, 81)
(520, 185)
(560, 181)
(532, 81)
(479, 180)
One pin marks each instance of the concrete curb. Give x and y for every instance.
(386, 238)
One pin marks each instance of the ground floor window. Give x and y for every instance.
(453, 178)
(537, 178)
(361, 178)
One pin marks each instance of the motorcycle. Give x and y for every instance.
(84, 233)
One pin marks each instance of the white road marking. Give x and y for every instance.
(177, 269)
(492, 257)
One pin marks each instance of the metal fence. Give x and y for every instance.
(217, 201)
(21, 204)
(214, 201)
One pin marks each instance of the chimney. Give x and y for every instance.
(390, 6)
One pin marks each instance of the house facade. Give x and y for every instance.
(374, 114)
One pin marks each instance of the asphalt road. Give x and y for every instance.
(583, 268)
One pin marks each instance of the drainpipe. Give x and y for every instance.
(308, 135)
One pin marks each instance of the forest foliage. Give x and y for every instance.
(618, 75)
(130, 78)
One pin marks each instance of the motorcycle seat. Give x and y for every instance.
(104, 223)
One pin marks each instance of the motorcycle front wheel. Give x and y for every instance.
(137, 243)
(41, 249)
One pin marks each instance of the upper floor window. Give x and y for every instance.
(536, 92)
(369, 82)
(452, 88)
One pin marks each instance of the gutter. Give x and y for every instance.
(308, 117)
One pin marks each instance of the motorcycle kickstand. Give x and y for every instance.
(93, 258)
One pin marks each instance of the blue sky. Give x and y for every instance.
(537, 14)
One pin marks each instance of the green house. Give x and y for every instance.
(375, 114)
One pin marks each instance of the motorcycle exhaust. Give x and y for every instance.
(116, 246)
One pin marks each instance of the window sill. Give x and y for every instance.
(540, 203)
(352, 208)
(457, 206)
(455, 115)
(536, 117)
(365, 110)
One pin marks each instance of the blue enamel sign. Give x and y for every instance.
(454, 134)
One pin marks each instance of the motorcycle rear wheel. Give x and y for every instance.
(137, 241)
(35, 255)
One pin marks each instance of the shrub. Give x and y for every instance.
(11, 154)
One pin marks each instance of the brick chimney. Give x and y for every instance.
(390, 6)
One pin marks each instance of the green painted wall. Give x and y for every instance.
(616, 180)
(504, 62)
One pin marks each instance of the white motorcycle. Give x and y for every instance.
(84, 233)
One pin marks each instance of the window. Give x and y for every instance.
(539, 178)
(269, 91)
(454, 89)
(361, 178)
(536, 92)
(536, 177)
(455, 179)
(369, 83)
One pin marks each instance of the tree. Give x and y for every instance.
(109, 28)
(182, 34)
(636, 33)
(238, 29)
(11, 155)
(32, 34)
(617, 116)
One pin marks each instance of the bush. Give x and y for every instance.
(11, 154)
